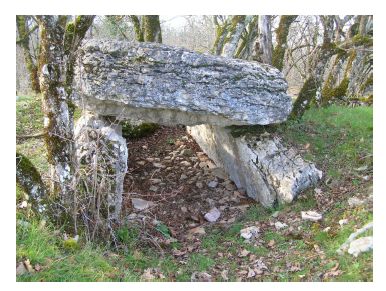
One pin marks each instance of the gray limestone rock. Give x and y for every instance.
(261, 164)
(169, 85)
(102, 153)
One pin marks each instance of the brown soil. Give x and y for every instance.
(180, 201)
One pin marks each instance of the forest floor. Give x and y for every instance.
(171, 240)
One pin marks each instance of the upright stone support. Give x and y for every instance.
(260, 163)
(102, 155)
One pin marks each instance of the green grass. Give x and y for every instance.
(29, 115)
(336, 134)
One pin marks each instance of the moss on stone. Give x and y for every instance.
(367, 83)
(242, 130)
(138, 131)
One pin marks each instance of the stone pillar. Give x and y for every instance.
(260, 163)
(102, 155)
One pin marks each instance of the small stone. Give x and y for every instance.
(20, 269)
(199, 185)
(343, 222)
(311, 215)
(249, 232)
(213, 215)
(24, 204)
(187, 152)
(275, 214)
(200, 277)
(220, 173)
(361, 245)
(155, 181)
(153, 188)
(159, 165)
(185, 164)
(279, 225)
(150, 160)
(327, 229)
(183, 177)
(141, 163)
(184, 209)
(144, 147)
(141, 204)
(213, 184)
(354, 201)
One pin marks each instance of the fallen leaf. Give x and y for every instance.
(147, 275)
(244, 253)
(271, 243)
(251, 273)
(28, 266)
(224, 275)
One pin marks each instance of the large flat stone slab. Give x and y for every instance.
(169, 85)
(262, 164)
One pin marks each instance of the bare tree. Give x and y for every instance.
(147, 28)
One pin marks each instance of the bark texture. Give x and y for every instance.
(264, 43)
(281, 39)
(58, 41)
(169, 85)
(152, 28)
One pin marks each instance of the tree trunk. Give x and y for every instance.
(137, 27)
(281, 39)
(28, 178)
(152, 28)
(362, 25)
(24, 42)
(232, 39)
(58, 42)
(58, 120)
(264, 44)
(328, 28)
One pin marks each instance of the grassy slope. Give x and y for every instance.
(339, 140)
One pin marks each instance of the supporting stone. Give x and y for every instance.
(102, 154)
(260, 163)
